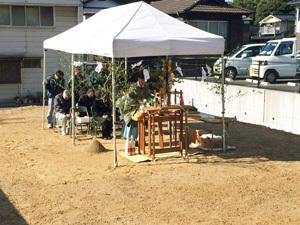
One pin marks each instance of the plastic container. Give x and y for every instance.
(132, 146)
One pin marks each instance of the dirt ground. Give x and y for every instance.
(44, 179)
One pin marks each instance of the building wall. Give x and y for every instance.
(235, 25)
(297, 30)
(44, 2)
(235, 33)
(298, 41)
(28, 42)
(100, 4)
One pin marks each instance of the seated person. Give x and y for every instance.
(102, 111)
(87, 101)
(62, 106)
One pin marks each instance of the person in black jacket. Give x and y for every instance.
(86, 100)
(54, 85)
(102, 111)
(62, 105)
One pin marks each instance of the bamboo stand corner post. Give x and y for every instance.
(149, 134)
(186, 133)
(153, 138)
(73, 100)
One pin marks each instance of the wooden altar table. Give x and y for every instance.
(158, 115)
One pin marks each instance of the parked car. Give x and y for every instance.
(238, 62)
(278, 59)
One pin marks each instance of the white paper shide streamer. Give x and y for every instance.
(208, 70)
(77, 63)
(136, 64)
(146, 74)
(99, 67)
(179, 69)
(203, 78)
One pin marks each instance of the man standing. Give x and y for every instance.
(99, 76)
(54, 85)
(62, 104)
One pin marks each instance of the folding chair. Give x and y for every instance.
(79, 121)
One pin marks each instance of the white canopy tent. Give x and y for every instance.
(135, 30)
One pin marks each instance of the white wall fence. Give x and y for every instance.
(275, 109)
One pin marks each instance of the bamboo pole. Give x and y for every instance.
(223, 104)
(73, 101)
(114, 112)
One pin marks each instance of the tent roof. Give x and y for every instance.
(134, 30)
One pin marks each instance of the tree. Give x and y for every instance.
(248, 4)
(263, 8)
(267, 7)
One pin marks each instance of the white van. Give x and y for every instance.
(277, 60)
(238, 62)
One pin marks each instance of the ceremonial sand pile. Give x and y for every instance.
(95, 147)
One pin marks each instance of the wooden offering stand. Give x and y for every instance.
(173, 114)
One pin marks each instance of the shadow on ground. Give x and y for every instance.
(8, 213)
(258, 144)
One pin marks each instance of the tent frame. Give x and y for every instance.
(110, 46)
(114, 101)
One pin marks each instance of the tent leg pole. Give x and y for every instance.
(114, 112)
(73, 101)
(44, 88)
(223, 105)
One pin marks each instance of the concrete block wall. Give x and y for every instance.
(275, 109)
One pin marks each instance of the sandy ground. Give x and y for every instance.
(44, 179)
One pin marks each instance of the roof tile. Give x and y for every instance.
(174, 6)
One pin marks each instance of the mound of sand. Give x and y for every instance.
(95, 147)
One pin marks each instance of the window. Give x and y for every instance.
(10, 72)
(251, 51)
(215, 27)
(18, 15)
(285, 48)
(202, 25)
(46, 16)
(269, 48)
(4, 15)
(32, 16)
(31, 63)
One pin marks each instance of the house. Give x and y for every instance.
(296, 3)
(275, 26)
(91, 7)
(24, 25)
(215, 16)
